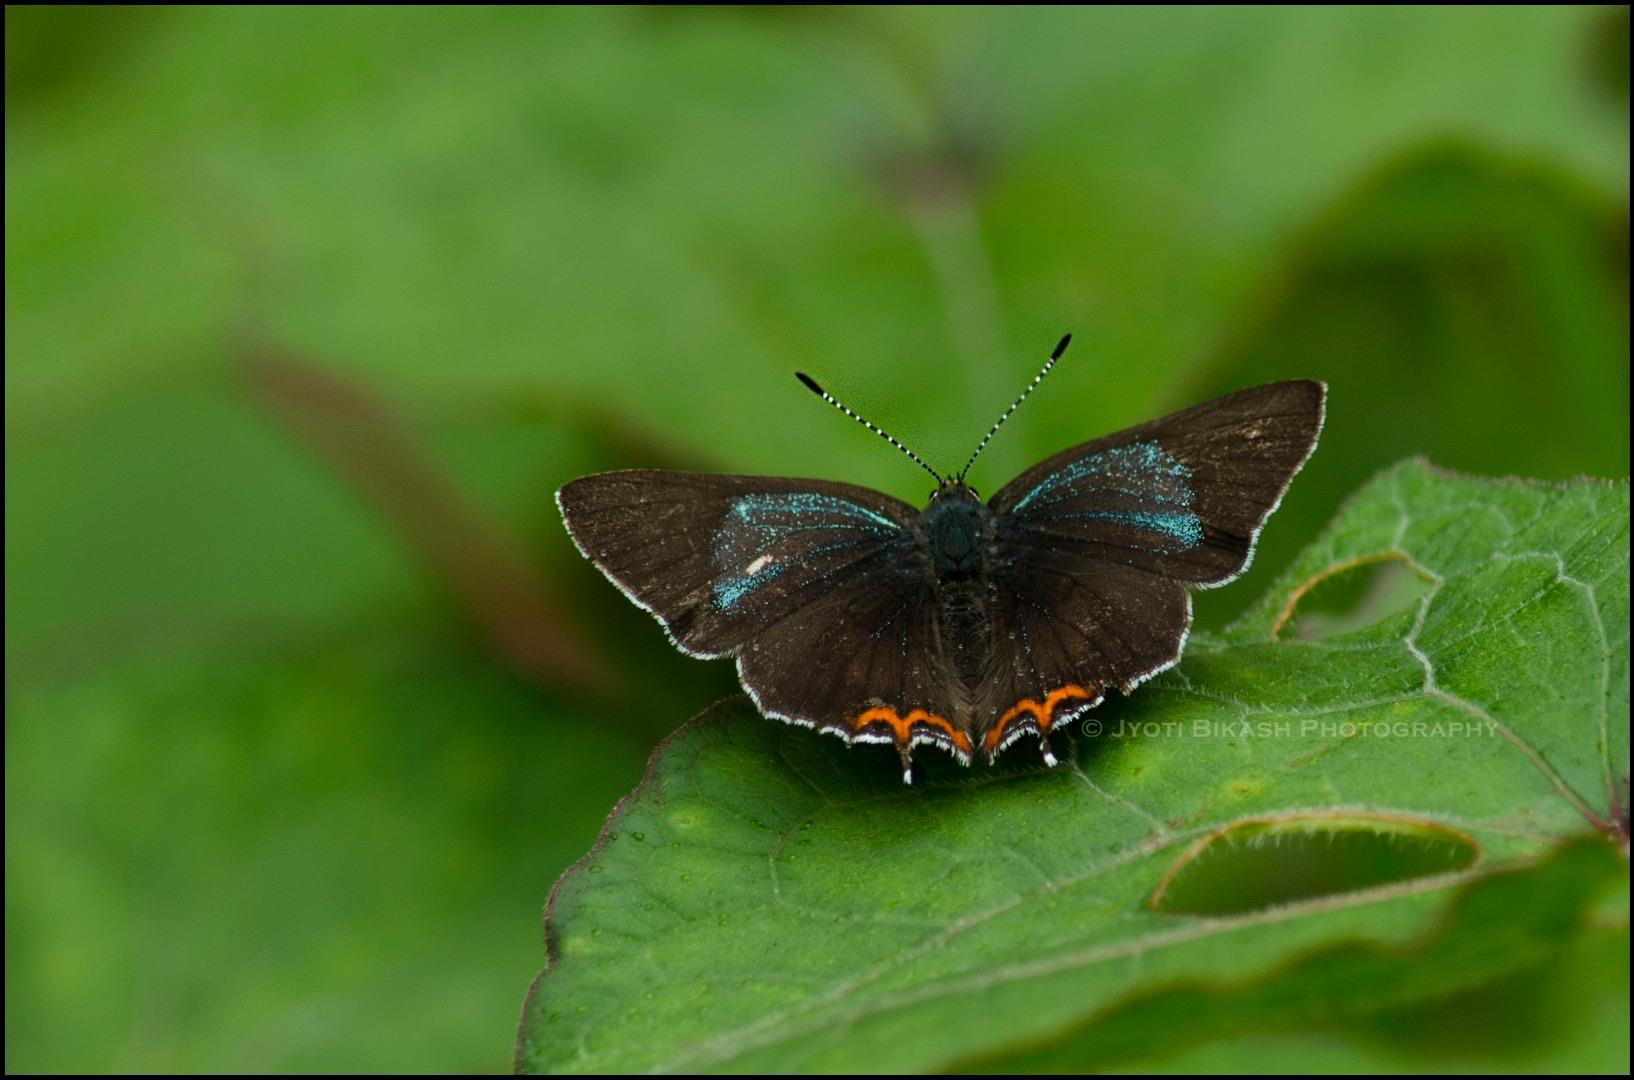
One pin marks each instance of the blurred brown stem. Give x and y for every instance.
(486, 569)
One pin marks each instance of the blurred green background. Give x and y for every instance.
(308, 312)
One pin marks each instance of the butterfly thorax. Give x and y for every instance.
(955, 532)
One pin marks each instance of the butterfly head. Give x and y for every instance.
(955, 489)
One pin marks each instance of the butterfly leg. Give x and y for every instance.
(905, 752)
(1044, 744)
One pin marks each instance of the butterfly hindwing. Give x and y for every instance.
(865, 664)
(1076, 630)
(1182, 497)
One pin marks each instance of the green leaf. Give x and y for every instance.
(768, 900)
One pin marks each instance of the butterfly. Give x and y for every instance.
(965, 625)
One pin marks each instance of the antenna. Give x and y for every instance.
(811, 384)
(1043, 371)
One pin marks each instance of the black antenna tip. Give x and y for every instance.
(811, 384)
(1061, 348)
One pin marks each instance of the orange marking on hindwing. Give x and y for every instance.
(902, 726)
(1041, 712)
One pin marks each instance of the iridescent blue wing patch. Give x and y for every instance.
(771, 544)
(1136, 495)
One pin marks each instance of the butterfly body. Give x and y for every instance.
(955, 536)
(968, 625)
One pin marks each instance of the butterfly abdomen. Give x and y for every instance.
(956, 534)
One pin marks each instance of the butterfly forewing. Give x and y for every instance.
(1182, 497)
(719, 559)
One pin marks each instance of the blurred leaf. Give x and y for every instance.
(768, 901)
(244, 864)
(49, 48)
(673, 213)
(188, 515)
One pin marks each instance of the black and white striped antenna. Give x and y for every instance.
(1043, 371)
(811, 384)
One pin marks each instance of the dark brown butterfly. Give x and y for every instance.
(967, 625)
